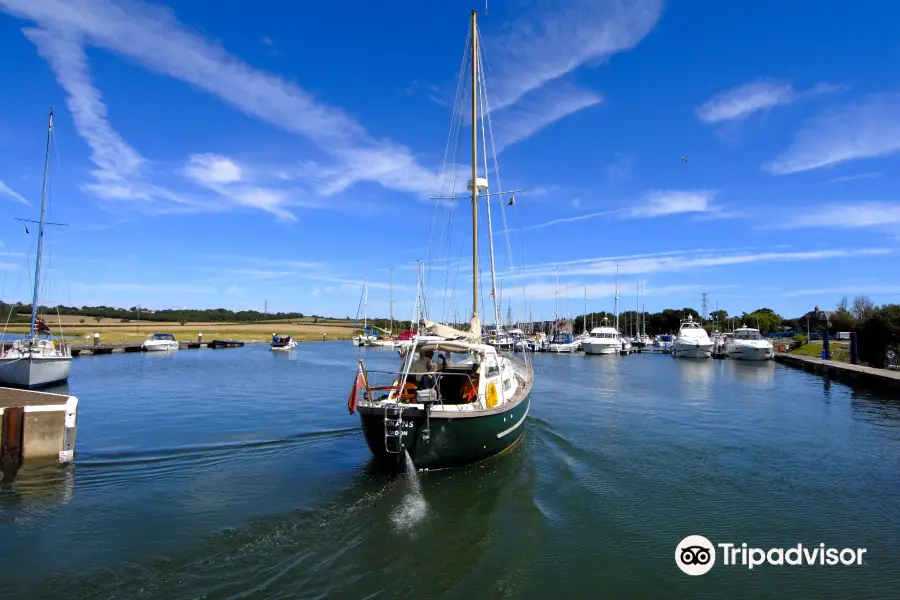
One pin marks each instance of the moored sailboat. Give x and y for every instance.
(462, 400)
(35, 361)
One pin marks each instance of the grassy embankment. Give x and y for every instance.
(840, 351)
(114, 331)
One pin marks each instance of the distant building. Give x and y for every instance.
(817, 318)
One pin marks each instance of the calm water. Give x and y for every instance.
(239, 474)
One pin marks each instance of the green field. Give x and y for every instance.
(113, 331)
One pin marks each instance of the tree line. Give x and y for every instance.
(20, 313)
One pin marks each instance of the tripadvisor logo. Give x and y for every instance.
(696, 555)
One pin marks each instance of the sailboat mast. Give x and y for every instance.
(40, 244)
(617, 298)
(391, 299)
(474, 165)
(556, 314)
(366, 306)
(584, 319)
(637, 306)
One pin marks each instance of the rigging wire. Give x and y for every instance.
(450, 137)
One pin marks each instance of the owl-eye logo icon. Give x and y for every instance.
(695, 555)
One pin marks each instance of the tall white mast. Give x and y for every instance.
(617, 297)
(556, 314)
(366, 305)
(637, 307)
(40, 245)
(584, 319)
(474, 185)
(391, 299)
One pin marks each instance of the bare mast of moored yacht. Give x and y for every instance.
(40, 244)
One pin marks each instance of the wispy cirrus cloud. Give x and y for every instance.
(542, 46)
(540, 109)
(228, 179)
(5, 190)
(851, 215)
(854, 177)
(153, 37)
(654, 203)
(529, 59)
(686, 261)
(756, 96)
(868, 128)
(143, 288)
(850, 288)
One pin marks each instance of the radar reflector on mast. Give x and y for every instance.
(481, 182)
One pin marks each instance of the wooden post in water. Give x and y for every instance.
(96, 339)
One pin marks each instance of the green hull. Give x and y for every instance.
(453, 442)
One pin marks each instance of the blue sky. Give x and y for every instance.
(211, 154)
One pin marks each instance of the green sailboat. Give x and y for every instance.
(456, 399)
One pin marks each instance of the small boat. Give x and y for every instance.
(564, 342)
(225, 344)
(692, 341)
(602, 340)
(35, 361)
(282, 343)
(160, 342)
(747, 343)
(626, 347)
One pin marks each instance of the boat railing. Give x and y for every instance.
(407, 393)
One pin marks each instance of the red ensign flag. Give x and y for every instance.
(357, 385)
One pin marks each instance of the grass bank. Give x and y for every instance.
(117, 332)
(840, 352)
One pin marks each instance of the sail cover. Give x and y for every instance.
(473, 335)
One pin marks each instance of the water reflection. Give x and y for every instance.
(36, 486)
(753, 373)
(875, 405)
(695, 371)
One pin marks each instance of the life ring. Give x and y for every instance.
(491, 395)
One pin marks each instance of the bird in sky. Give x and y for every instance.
(512, 201)
(683, 159)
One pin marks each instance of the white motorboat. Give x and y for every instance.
(35, 361)
(282, 343)
(160, 342)
(625, 341)
(747, 343)
(692, 341)
(564, 342)
(602, 340)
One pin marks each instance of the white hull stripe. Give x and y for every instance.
(513, 428)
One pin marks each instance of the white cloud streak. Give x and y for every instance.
(849, 289)
(687, 261)
(542, 46)
(539, 110)
(151, 36)
(755, 96)
(868, 128)
(844, 216)
(528, 61)
(141, 288)
(5, 190)
(655, 203)
(854, 177)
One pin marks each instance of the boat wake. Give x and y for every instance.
(413, 508)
